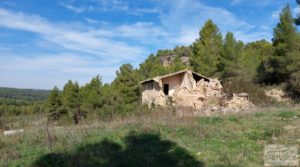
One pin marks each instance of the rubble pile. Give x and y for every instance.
(207, 97)
(277, 94)
(238, 102)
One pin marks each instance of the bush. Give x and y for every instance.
(256, 92)
(293, 86)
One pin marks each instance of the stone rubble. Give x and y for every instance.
(208, 97)
(277, 94)
(13, 132)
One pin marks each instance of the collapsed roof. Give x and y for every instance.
(197, 76)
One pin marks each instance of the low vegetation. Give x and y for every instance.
(151, 139)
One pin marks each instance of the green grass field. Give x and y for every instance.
(151, 139)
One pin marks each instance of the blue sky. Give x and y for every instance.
(47, 42)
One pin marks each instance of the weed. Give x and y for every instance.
(210, 120)
(286, 114)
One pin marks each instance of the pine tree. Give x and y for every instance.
(278, 67)
(71, 100)
(126, 84)
(207, 50)
(253, 55)
(231, 56)
(177, 65)
(70, 95)
(53, 104)
(91, 94)
(297, 20)
(151, 67)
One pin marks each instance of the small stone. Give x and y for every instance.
(290, 127)
(12, 132)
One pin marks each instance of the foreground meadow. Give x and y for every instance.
(150, 139)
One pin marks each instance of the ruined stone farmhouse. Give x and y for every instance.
(188, 89)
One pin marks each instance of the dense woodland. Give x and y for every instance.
(22, 101)
(242, 67)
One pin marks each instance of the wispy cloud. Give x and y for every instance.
(84, 52)
(73, 8)
(185, 18)
(79, 50)
(45, 71)
(111, 6)
(77, 40)
(261, 3)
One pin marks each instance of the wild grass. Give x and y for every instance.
(157, 138)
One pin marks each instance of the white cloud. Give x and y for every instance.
(86, 50)
(94, 21)
(73, 8)
(111, 6)
(45, 71)
(185, 19)
(254, 36)
(261, 3)
(275, 14)
(296, 10)
(72, 39)
(109, 47)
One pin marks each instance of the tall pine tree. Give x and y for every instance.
(54, 104)
(92, 95)
(71, 100)
(284, 60)
(207, 50)
(126, 84)
(70, 95)
(230, 58)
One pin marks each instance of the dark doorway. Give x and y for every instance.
(166, 89)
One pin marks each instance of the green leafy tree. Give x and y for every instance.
(207, 50)
(53, 104)
(231, 56)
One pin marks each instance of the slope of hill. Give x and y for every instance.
(23, 94)
(152, 139)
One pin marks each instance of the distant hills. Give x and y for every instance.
(24, 94)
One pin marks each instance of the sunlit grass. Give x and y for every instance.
(230, 140)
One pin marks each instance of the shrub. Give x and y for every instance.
(256, 93)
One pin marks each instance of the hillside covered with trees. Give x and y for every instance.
(252, 66)
(22, 101)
